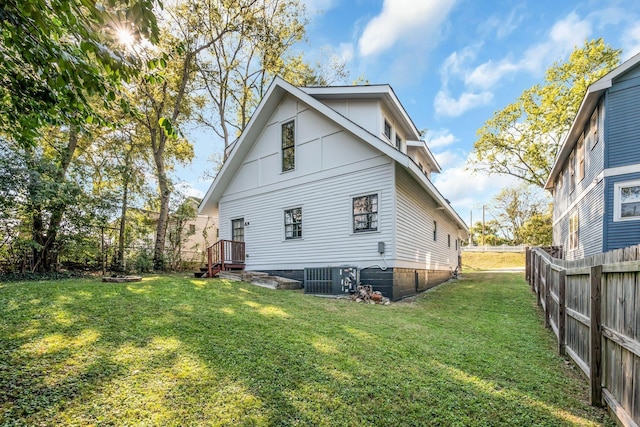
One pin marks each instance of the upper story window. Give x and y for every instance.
(580, 158)
(398, 142)
(288, 146)
(435, 230)
(592, 138)
(560, 181)
(293, 223)
(626, 201)
(192, 228)
(387, 130)
(365, 213)
(572, 171)
(448, 240)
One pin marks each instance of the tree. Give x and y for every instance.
(518, 209)
(487, 234)
(523, 138)
(236, 70)
(56, 54)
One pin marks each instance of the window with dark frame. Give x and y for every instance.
(435, 230)
(237, 230)
(449, 240)
(288, 146)
(293, 223)
(365, 213)
(398, 142)
(387, 129)
(593, 129)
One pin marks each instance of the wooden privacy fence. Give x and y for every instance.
(593, 307)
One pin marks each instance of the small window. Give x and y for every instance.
(398, 142)
(387, 130)
(580, 158)
(626, 199)
(288, 146)
(365, 213)
(293, 223)
(192, 228)
(237, 230)
(573, 231)
(560, 180)
(435, 230)
(572, 172)
(593, 129)
(456, 244)
(448, 240)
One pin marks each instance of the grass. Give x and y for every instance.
(179, 351)
(478, 261)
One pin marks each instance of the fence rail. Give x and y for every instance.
(593, 307)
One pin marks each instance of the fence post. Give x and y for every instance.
(527, 265)
(562, 277)
(209, 261)
(595, 361)
(538, 278)
(547, 296)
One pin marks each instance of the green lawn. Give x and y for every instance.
(478, 261)
(179, 351)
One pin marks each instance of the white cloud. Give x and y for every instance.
(440, 138)
(454, 184)
(563, 37)
(400, 19)
(632, 42)
(446, 105)
(447, 158)
(456, 63)
(188, 190)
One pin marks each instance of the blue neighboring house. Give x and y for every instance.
(595, 180)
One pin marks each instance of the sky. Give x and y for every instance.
(452, 64)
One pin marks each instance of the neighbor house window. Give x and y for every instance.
(626, 201)
(398, 142)
(449, 240)
(580, 158)
(572, 172)
(573, 231)
(237, 230)
(365, 213)
(293, 223)
(435, 230)
(387, 130)
(192, 228)
(560, 180)
(593, 130)
(288, 146)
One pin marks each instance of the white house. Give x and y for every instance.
(336, 176)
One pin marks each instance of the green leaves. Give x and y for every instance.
(523, 138)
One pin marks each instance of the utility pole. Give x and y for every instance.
(483, 244)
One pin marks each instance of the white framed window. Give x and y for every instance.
(387, 130)
(580, 158)
(365, 213)
(626, 201)
(560, 180)
(398, 142)
(593, 129)
(574, 225)
(288, 146)
(293, 223)
(572, 171)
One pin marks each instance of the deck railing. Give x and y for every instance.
(226, 254)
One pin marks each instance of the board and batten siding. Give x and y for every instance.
(331, 167)
(623, 123)
(416, 211)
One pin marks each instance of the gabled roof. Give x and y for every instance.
(589, 102)
(275, 93)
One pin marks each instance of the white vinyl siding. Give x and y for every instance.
(328, 235)
(416, 213)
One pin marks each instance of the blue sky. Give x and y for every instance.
(453, 63)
